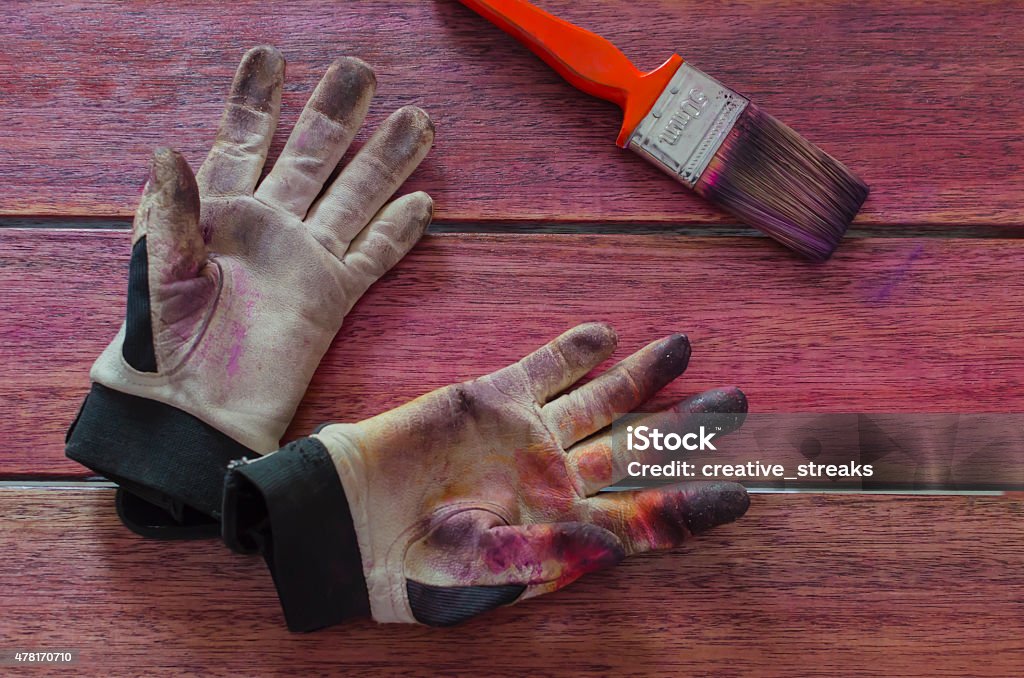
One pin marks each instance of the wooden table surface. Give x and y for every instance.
(542, 223)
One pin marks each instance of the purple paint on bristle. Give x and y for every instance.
(775, 180)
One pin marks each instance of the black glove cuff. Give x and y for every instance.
(170, 465)
(291, 507)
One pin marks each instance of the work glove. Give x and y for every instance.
(237, 287)
(473, 496)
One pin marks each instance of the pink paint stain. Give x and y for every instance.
(242, 289)
(236, 350)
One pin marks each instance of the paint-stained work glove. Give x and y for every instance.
(473, 496)
(237, 287)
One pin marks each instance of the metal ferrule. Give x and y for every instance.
(688, 124)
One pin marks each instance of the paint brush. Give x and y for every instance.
(705, 135)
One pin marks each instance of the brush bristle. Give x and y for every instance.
(775, 180)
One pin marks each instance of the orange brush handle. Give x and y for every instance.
(587, 61)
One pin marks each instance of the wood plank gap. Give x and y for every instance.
(57, 484)
(1002, 231)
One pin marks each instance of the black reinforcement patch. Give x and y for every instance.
(138, 348)
(450, 605)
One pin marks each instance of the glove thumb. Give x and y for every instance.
(511, 563)
(165, 285)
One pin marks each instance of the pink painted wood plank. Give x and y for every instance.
(802, 586)
(916, 97)
(888, 325)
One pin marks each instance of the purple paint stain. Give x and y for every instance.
(236, 352)
(241, 288)
(511, 550)
(897, 276)
(239, 332)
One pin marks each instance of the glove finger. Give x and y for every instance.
(562, 362)
(383, 243)
(599, 462)
(328, 123)
(664, 517)
(373, 175)
(504, 564)
(246, 127)
(591, 407)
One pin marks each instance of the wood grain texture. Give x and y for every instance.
(914, 96)
(804, 585)
(888, 325)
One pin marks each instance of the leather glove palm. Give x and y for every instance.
(473, 496)
(237, 288)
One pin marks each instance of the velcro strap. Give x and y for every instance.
(167, 458)
(291, 507)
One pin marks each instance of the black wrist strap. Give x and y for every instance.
(170, 465)
(291, 507)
